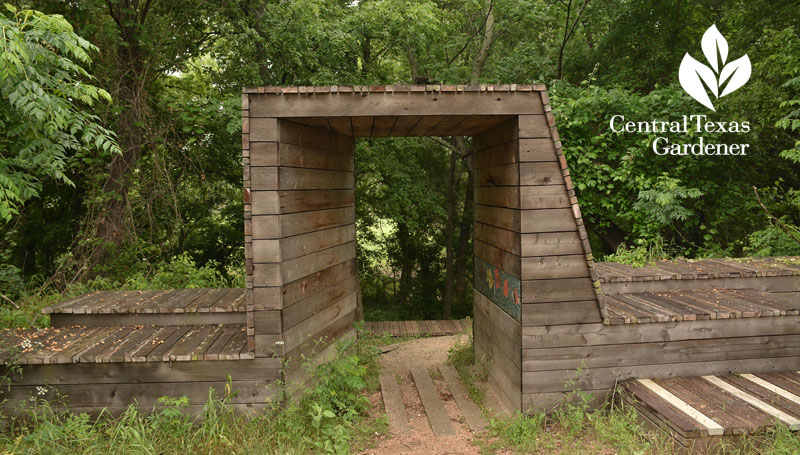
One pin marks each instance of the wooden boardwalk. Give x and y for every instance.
(124, 344)
(703, 269)
(418, 328)
(704, 411)
(160, 301)
(697, 305)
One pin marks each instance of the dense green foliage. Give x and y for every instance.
(175, 70)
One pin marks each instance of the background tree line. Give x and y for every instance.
(147, 188)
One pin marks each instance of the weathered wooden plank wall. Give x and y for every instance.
(497, 331)
(300, 241)
(116, 385)
(558, 284)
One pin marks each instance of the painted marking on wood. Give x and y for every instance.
(772, 387)
(393, 402)
(793, 423)
(437, 416)
(471, 411)
(714, 429)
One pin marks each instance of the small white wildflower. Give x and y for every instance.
(26, 344)
(41, 391)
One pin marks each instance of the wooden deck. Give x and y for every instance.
(124, 344)
(160, 307)
(162, 301)
(703, 269)
(702, 412)
(418, 328)
(649, 307)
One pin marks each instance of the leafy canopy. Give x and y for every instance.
(45, 116)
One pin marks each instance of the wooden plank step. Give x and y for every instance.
(124, 344)
(652, 307)
(472, 413)
(152, 301)
(417, 328)
(437, 416)
(709, 410)
(393, 403)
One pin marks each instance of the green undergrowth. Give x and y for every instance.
(473, 373)
(182, 272)
(331, 418)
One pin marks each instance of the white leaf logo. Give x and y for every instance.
(695, 76)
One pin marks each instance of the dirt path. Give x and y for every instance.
(427, 353)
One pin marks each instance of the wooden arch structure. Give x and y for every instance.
(542, 319)
(533, 263)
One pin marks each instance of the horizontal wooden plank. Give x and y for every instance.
(504, 196)
(312, 242)
(537, 150)
(599, 334)
(503, 175)
(497, 237)
(264, 203)
(303, 222)
(605, 378)
(263, 178)
(296, 178)
(134, 319)
(557, 290)
(309, 328)
(611, 355)
(309, 200)
(266, 275)
(551, 244)
(547, 220)
(533, 126)
(547, 314)
(149, 372)
(498, 155)
(263, 153)
(306, 136)
(266, 298)
(548, 267)
(312, 284)
(502, 133)
(267, 322)
(266, 251)
(263, 129)
(540, 173)
(767, 283)
(144, 394)
(508, 262)
(265, 226)
(544, 197)
(295, 269)
(399, 104)
(503, 218)
(306, 157)
(303, 309)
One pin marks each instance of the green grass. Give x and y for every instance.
(331, 418)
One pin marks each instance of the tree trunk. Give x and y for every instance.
(483, 53)
(111, 224)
